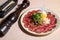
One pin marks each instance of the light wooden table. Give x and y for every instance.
(15, 32)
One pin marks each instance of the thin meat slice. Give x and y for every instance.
(39, 30)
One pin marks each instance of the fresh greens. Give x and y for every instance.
(36, 17)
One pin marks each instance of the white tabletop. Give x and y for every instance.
(15, 33)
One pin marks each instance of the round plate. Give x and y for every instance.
(33, 33)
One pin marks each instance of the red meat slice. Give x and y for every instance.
(26, 20)
(49, 15)
(47, 29)
(26, 25)
(52, 25)
(30, 29)
(29, 13)
(41, 29)
(52, 20)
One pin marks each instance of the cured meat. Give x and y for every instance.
(38, 28)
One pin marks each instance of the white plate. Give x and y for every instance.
(43, 9)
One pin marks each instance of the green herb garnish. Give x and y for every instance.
(36, 17)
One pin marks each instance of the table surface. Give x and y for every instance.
(15, 33)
